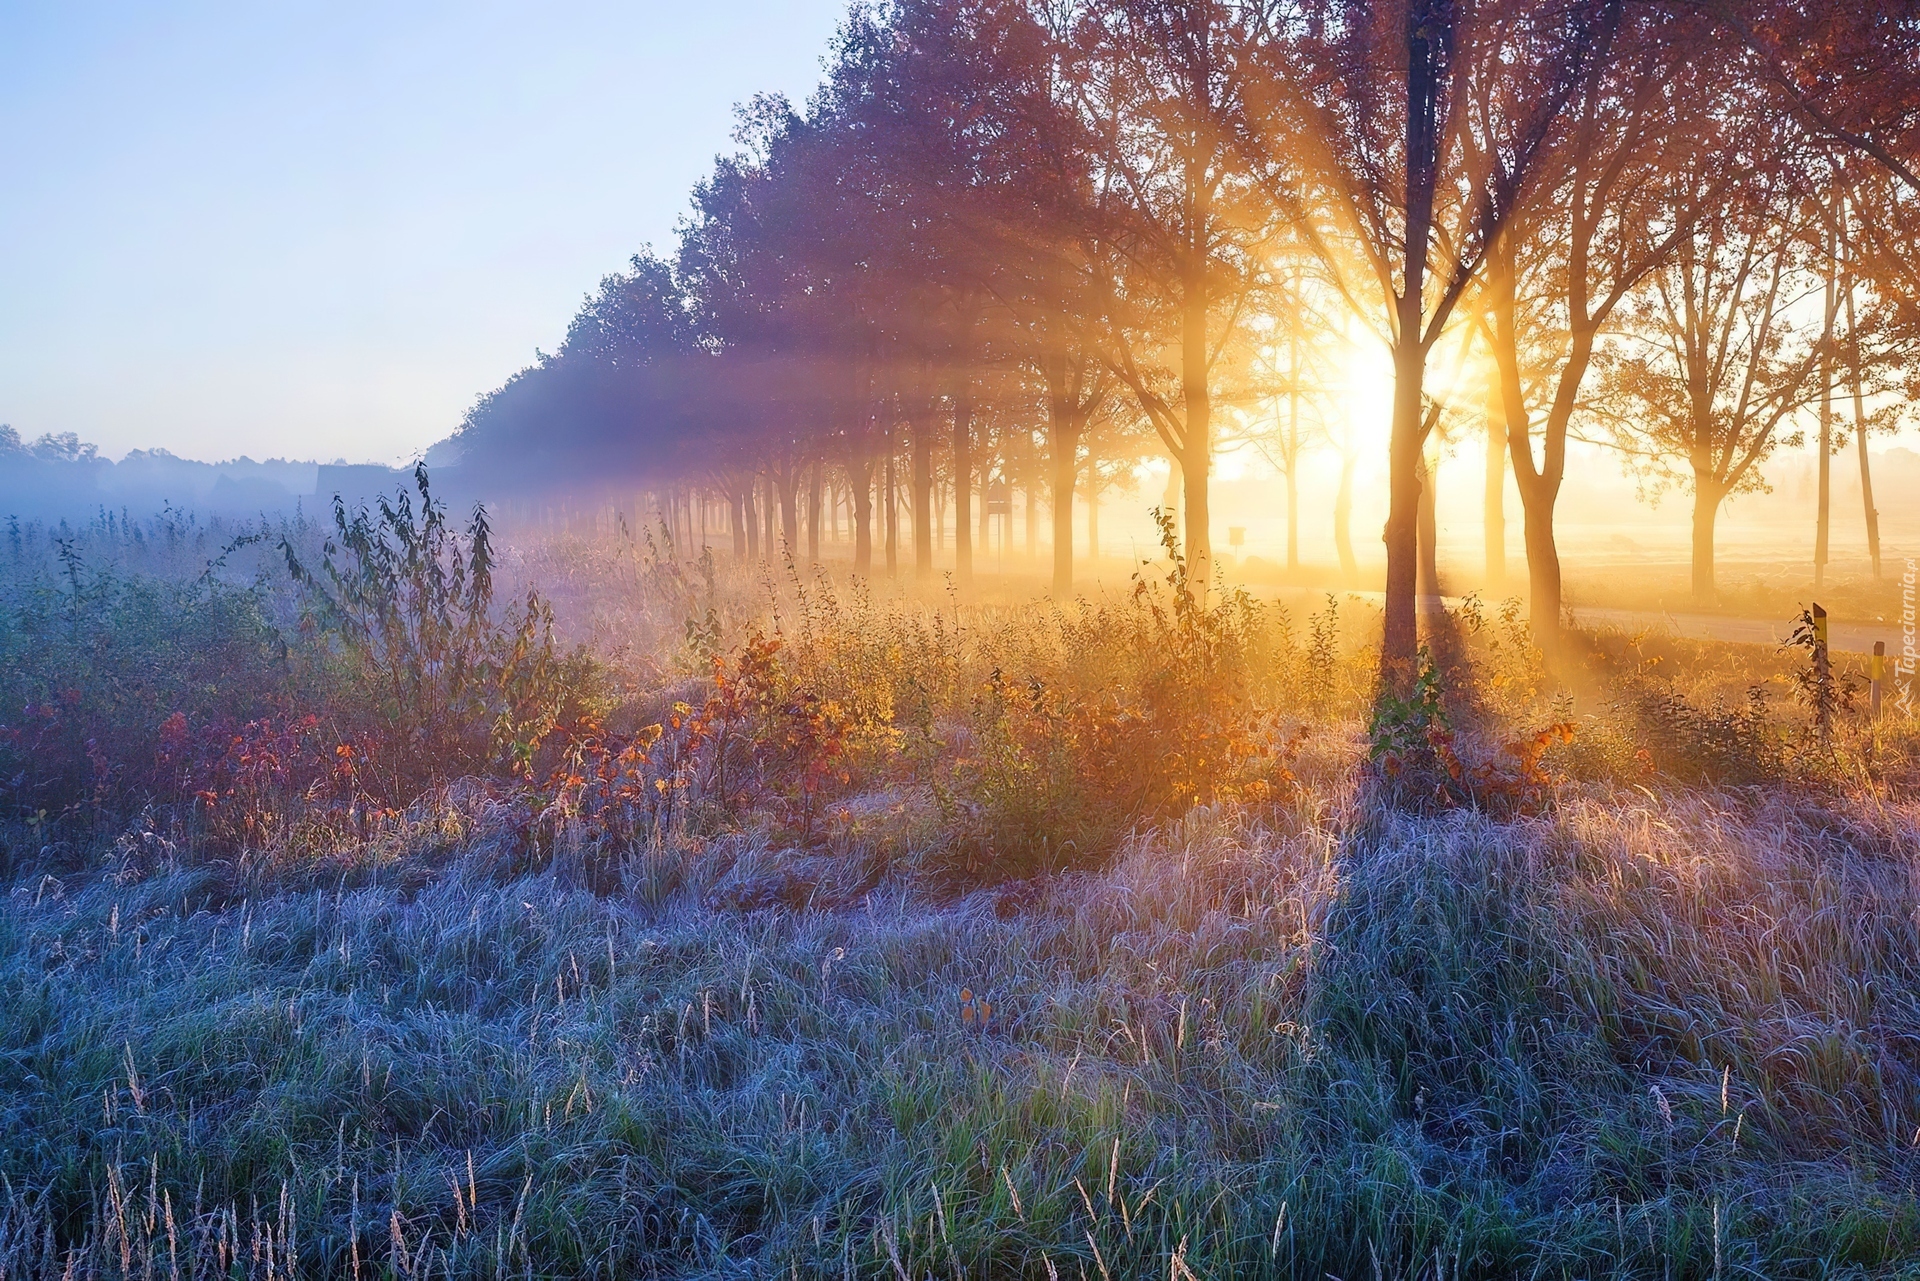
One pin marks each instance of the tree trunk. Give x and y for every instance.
(753, 523)
(1538, 482)
(1093, 511)
(1032, 493)
(860, 487)
(1429, 577)
(1822, 520)
(1343, 519)
(1293, 516)
(770, 549)
(1093, 521)
(813, 514)
(1198, 518)
(986, 518)
(742, 522)
(1494, 496)
(963, 484)
(1860, 440)
(1293, 448)
(1866, 482)
(1538, 495)
(1400, 640)
(1543, 573)
(922, 480)
(1428, 23)
(893, 514)
(1029, 464)
(1065, 443)
(1196, 458)
(789, 487)
(1706, 509)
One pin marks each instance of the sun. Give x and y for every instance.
(1362, 409)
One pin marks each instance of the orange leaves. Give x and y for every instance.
(174, 735)
(1527, 752)
(1418, 752)
(1056, 775)
(249, 782)
(975, 1011)
(1516, 780)
(760, 738)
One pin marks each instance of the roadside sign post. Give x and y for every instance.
(1876, 676)
(1000, 514)
(1822, 676)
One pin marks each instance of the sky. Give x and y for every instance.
(321, 230)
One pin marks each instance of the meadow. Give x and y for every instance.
(399, 897)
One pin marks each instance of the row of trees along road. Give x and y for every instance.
(1032, 238)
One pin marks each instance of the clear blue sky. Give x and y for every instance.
(321, 229)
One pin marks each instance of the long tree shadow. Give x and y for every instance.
(1445, 636)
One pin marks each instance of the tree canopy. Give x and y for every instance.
(1006, 238)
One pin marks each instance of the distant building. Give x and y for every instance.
(358, 482)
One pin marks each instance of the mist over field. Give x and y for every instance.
(1164, 639)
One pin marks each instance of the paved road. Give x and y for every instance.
(1843, 637)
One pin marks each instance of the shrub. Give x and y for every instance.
(1423, 763)
(237, 712)
(759, 740)
(1040, 737)
(1715, 743)
(92, 669)
(448, 687)
(1125, 714)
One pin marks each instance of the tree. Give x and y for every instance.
(51, 447)
(1292, 378)
(1848, 74)
(1402, 190)
(1880, 352)
(1118, 441)
(1720, 354)
(1602, 216)
(1166, 91)
(622, 399)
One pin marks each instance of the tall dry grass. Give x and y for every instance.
(1020, 998)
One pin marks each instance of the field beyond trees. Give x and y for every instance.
(405, 898)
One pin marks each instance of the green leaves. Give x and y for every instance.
(409, 601)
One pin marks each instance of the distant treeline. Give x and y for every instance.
(59, 476)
